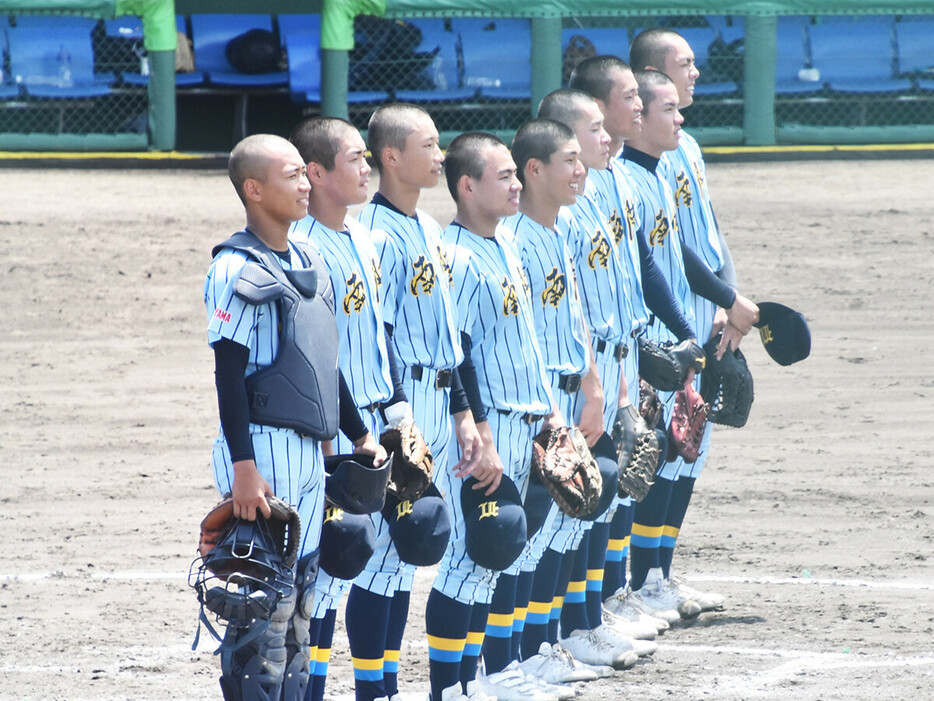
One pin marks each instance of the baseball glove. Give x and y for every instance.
(726, 385)
(568, 471)
(666, 365)
(638, 453)
(284, 526)
(412, 465)
(650, 406)
(688, 421)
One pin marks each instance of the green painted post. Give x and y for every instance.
(334, 75)
(162, 100)
(545, 58)
(759, 81)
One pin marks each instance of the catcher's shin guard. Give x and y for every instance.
(298, 635)
(253, 661)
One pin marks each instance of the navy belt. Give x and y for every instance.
(569, 383)
(620, 350)
(442, 377)
(373, 408)
(525, 418)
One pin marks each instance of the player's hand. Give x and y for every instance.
(719, 321)
(489, 469)
(743, 314)
(731, 339)
(471, 445)
(591, 420)
(249, 491)
(368, 445)
(554, 420)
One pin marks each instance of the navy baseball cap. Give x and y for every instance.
(419, 529)
(352, 483)
(347, 542)
(495, 524)
(604, 452)
(784, 333)
(537, 503)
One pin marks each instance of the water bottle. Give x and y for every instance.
(64, 67)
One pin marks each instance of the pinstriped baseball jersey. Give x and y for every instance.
(610, 190)
(493, 308)
(685, 171)
(560, 326)
(655, 208)
(417, 287)
(353, 266)
(292, 464)
(603, 282)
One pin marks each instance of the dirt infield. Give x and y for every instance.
(815, 519)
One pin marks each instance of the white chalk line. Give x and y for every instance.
(424, 572)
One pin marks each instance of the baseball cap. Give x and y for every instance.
(537, 503)
(419, 529)
(347, 542)
(784, 333)
(354, 485)
(495, 524)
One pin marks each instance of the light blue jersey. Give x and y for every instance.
(292, 464)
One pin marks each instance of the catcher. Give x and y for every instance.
(262, 295)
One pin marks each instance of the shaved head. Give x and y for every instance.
(649, 82)
(318, 139)
(651, 47)
(565, 106)
(390, 125)
(251, 157)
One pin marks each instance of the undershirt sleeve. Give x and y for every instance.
(658, 295)
(703, 282)
(230, 361)
(468, 378)
(351, 425)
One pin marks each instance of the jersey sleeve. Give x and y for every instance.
(228, 316)
(466, 289)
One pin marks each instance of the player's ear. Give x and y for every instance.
(465, 186)
(315, 172)
(389, 156)
(533, 167)
(253, 190)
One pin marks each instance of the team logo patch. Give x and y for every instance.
(765, 333)
(510, 298)
(424, 277)
(403, 508)
(616, 226)
(332, 513)
(488, 509)
(555, 289)
(660, 231)
(356, 296)
(683, 193)
(698, 176)
(600, 253)
(444, 265)
(222, 315)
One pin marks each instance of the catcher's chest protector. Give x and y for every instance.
(299, 389)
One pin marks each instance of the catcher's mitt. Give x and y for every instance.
(726, 385)
(638, 453)
(568, 470)
(412, 465)
(665, 365)
(284, 525)
(650, 406)
(688, 421)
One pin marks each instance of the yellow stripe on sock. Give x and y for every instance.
(367, 664)
(323, 655)
(616, 544)
(475, 637)
(557, 602)
(647, 531)
(521, 613)
(595, 575)
(576, 587)
(540, 606)
(455, 644)
(313, 654)
(670, 531)
(391, 656)
(499, 619)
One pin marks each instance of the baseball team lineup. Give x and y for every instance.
(524, 397)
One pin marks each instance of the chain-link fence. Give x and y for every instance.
(72, 75)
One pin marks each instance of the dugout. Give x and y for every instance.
(752, 107)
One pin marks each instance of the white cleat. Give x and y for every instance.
(556, 665)
(474, 693)
(625, 643)
(633, 629)
(511, 684)
(707, 600)
(622, 605)
(589, 648)
(657, 599)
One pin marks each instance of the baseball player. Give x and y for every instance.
(667, 51)
(334, 153)
(612, 84)
(659, 134)
(255, 455)
(511, 403)
(607, 293)
(419, 310)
